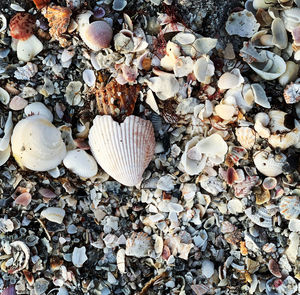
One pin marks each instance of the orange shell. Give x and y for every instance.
(117, 100)
(22, 26)
(59, 19)
(41, 3)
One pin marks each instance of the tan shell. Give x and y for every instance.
(245, 136)
(123, 151)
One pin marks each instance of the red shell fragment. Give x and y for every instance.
(22, 26)
(41, 3)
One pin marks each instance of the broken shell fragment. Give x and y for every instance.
(138, 245)
(81, 163)
(54, 214)
(4, 96)
(260, 96)
(37, 144)
(291, 93)
(260, 217)
(290, 74)
(204, 69)
(291, 18)
(27, 50)
(280, 38)
(79, 257)
(21, 255)
(39, 109)
(289, 207)
(231, 80)
(123, 151)
(246, 137)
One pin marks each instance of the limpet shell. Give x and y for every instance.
(138, 245)
(245, 136)
(123, 151)
(261, 217)
(289, 207)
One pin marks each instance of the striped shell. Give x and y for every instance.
(122, 150)
(245, 136)
(290, 207)
(261, 217)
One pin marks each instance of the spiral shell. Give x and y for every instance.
(37, 144)
(123, 151)
(290, 207)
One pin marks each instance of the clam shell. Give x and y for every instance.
(38, 108)
(268, 164)
(54, 214)
(289, 207)
(37, 144)
(260, 96)
(138, 245)
(203, 69)
(184, 38)
(4, 96)
(245, 136)
(261, 217)
(79, 256)
(231, 80)
(280, 38)
(123, 151)
(290, 74)
(27, 50)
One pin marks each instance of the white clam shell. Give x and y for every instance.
(268, 164)
(291, 18)
(204, 45)
(4, 155)
(81, 163)
(39, 109)
(261, 217)
(89, 77)
(54, 214)
(184, 38)
(27, 50)
(37, 144)
(138, 245)
(280, 38)
(231, 80)
(213, 146)
(203, 69)
(122, 150)
(183, 66)
(242, 23)
(73, 95)
(4, 96)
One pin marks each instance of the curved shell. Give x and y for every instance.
(123, 151)
(37, 144)
(261, 217)
(245, 136)
(289, 207)
(138, 245)
(268, 164)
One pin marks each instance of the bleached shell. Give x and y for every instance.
(123, 151)
(245, 136)
(4, 155)
(89, 77)
(81, 163)
(39, 109)
(79, 257)
(138, 245)
(284, 141)
(277, 122)
(27, 50)
(261, 217)
(290, 74)
(280, 38)
(204, 45)
(183, 66)
(4, 96)
(123, 41)
(54, 214)
(184, 38)
(37, 144)
(3, 23)
(260, 96)
(242, 23)
(226, 112)
(213, 146)
(292, 254)
(261, 121)
(291, 93)
(4, 141)
(150, 100)
(263, 4)
(231, 80)
(121, 261)
(289, 207)
(18, 103)
(20, 247)
(203, 69)
(291, 18)
(73, 95)
(267, 164)
(294, 225)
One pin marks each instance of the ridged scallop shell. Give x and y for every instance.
(261, 217)
(245, 136)
(290, 207)
(268, 164)
(117, 100)
(122, 150)
(37, 144)
(138, 245)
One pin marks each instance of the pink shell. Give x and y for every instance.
(23, 199)
(122, 150)
(18, 103)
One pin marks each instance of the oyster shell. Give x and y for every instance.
(123, 151)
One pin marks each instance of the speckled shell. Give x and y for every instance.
(37, 144)
(138, 245)
(123, 150)
(261, 217)
(245, 136)
(117, 100)
(290, 207)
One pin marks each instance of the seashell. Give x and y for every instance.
(6, 225)
(3, 22)
(26, 72)
(207, 268)
(226, 112)
(79, 256)
(280, 38)
(138, 245)
(263, 197)
(235, 154)
(235, 206)
(41, 3)
(261, 121)
(150, 100)
(290, 74)
(292, 251)
(27, 50)
(4, 96)
(291, 18)
(183, 66)
(121, 261)
(277, 119)
(4, 155)
(245, 136)
(294, 225)
(54, 214)
(231, 175)
(123, 151)
(262, 39)
(204, 45)
(59, 19)
(119, 5)
(231, 80)
(47, 193)
(260, 96)
(291, 93)
(23, 199)
(73, 95)
(184, 38)
(242, 23)
(22, 26)
(38, 109)
(269, 248)
(204, 69)
(21, 255)
(274, 268)
(10, 290)
(89, 77)
(284, 141)
(4, 141)
(295, 34)
(269, 183)
(66, 135)
(18, 103)
(200, 289)
(81, 163)
(289, 207)
(261, 217)
(159, 245)
(268, 164)
(263, 4)
(117, 100)
(37, 144)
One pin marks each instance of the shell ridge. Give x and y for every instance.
(129, 144)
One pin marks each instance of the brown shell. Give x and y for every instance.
(117, 100)
(22, 26)
(41, 3)
(59, 19)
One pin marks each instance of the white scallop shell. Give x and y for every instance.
(289, 207)
(245, 136)
(37, 144)
(81, 163)
(268, 164)
(138, 245)
(38, 108)
(261, 217)
(122, 150)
